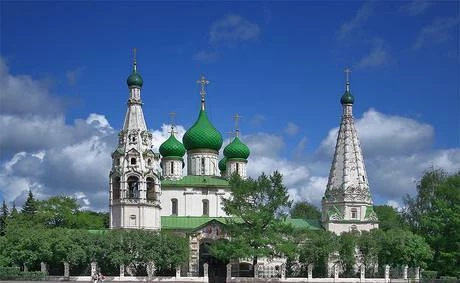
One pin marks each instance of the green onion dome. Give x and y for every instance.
(135, 79)
(347, 98)
(236, 149)
(202, 135)
(172, 148)
(223, 164)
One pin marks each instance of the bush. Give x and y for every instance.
(9, 273)
(448, 279)
(429, 274)
(32, 275)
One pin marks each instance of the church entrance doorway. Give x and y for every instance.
(217, 269)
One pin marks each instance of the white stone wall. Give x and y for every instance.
(211, 163)
(173, 173)
(190, 201)
(339, 228)
(237, 166)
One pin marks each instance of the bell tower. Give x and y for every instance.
(135, 173)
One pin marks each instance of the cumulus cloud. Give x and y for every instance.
(291, 129)
(416, 7)
(440, 31)
(359, 19)
(233, 28)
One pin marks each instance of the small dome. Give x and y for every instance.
(347, 98)
(202, 135)
(223, 164)
(172, 148)
(236, 149)
(135, 79)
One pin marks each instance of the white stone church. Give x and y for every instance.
(150, 190)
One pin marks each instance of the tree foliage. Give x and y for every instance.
(389, 218)
(258, 227)
(434, 213)
(305, 210)
(30, 206)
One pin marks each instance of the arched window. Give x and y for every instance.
(237, 168)
(150, 189)
(133, 161)
(172, 168)
(206, 207)
(202, 166)
(149, 162)
(354, 213)
(116, 188)
(174, 206)
(133, 187)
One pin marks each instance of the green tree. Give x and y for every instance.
(347, 252)
(434, 213)
(369, 248)
(305, 210)
(315, 249)
(257, 227)
(389, 218)
(3, 218)
(58, 211)
(30, 206)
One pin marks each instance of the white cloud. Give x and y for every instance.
(257, 120)
(360, 18)
(74, 75)
(439, 31)
(205, 56)
(416, 7)
(291, 129)
(233, 28)
(377, 56)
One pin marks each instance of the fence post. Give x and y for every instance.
(256, 270)
(336, 271)
(122, 270)
(363, 272)
(205, 269)
(93, 268)
(310, 271)
(387, 273)
(66, 269)
(417, 273)
(151, 269)
(43, 267)
(283, 271)
(178, 271)
(229, 271)
(405, 272)
(25, 267)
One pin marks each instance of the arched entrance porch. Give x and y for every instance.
(217, 269)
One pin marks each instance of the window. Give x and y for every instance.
(116, 188)
(172, 168)
(150, 189)
(206, 207)
(237, 168)
(202, 166)
(354, 213)
(364, 179)
(133, 187)
(133, 161)
(149, 162)
(174, 206)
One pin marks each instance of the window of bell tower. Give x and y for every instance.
(150, 189)
(116, 188)
(133, 161)
(133, 187)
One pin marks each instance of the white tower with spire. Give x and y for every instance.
(135, 173)
(347, 203)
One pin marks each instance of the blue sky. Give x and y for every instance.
(278, 64)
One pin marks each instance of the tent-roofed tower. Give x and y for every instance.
(135, 172)
(347, 203)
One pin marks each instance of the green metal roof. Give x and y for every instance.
(347, 98)
(202, 135)
(172, 147)
(236, 149)
(196, 181)
(223, 164)
(310, 224)
(187, 222)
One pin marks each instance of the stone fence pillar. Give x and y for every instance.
(229, 271)
(310, 271)
(43, 267)
(25, 267)
(363, 272)
(405, 272)
(93, 267)
(122, 270)
(151, 268)
(178, 271)
(283, 271)
(66, 270)
(205, 270)
(256, 270)
(387, 273)
(417, 273)
(336, 271)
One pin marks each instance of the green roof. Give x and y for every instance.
(223, 164)
(187, 222)
(202, 135)
(135, 78)
(347, 98)
(172, 147)
(196, 181)
(236, 149)
(195, 222)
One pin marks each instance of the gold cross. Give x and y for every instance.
(347, 74)
(203, 82)
(237, 118)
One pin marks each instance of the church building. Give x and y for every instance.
(149, 190)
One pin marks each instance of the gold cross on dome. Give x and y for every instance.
(347, 72)
(203, 82)
(237, 118)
